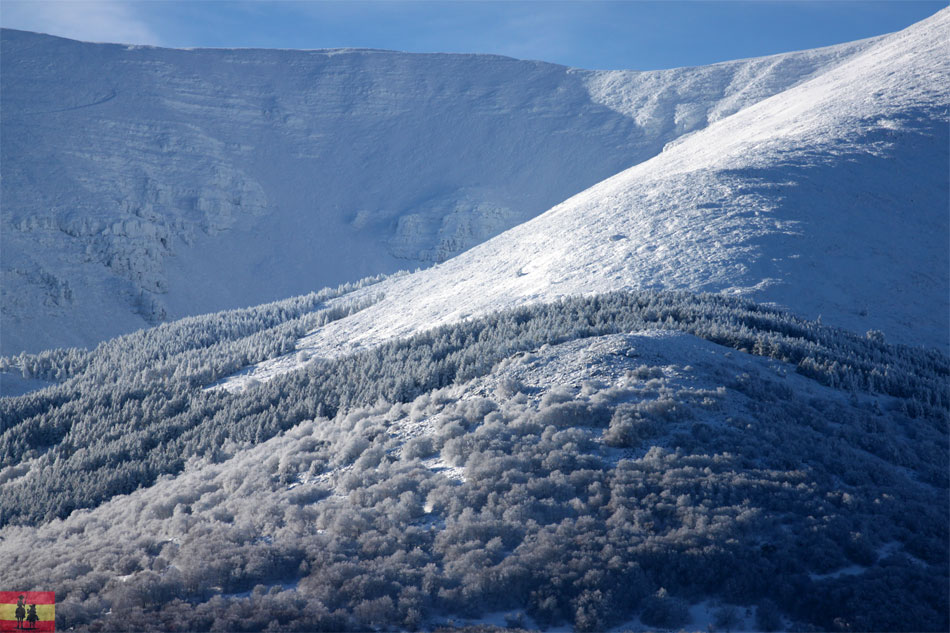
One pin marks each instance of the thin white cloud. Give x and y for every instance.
(91, 21)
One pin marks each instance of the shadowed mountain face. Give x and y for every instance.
(143, 184)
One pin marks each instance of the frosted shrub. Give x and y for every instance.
(418, 448)
(628, 428)
(307, 495)
(450, 429)
(457, 450)
(396, 412)
(442, 397)
(566, 414)
(665, 409)
(591, 610)
(351, 450)
(645, 372)
(508, 387)
(610, 395)
(317, 467)
(475, 410)
(375, 613)
(590, 387)
(369, 458)
(420, 407)
(556, 395)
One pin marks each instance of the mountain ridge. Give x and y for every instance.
(795, 200)
(130, 182)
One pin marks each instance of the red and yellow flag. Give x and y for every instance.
(27, 611)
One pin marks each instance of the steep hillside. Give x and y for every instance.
(142, 184)
(829, 198)
(564, 464)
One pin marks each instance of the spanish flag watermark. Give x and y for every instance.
(27, 611)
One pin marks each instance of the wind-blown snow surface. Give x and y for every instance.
(830, 198)
(141, 183)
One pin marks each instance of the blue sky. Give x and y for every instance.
(640, 35)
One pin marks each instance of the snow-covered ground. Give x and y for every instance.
(829, 198)
(143, 184)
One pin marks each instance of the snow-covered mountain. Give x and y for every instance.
(829, 198)
(587, 441)
(142, 184)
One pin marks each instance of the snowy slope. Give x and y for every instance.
(143, 184)
(829, 198)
